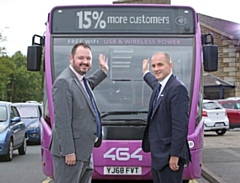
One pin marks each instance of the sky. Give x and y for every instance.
(21, 19)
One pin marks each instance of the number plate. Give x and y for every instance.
(219, 124)
(122, 170)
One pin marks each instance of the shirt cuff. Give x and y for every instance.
(145, 73)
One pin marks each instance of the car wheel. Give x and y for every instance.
(23, 149)
(9, 155)
(221, 132)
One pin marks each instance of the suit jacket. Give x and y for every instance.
(75, 125)
(167, 125)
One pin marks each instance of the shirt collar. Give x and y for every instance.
(164, 82)
(80, 77)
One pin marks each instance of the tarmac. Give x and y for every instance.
(210, 176)
(221, 158)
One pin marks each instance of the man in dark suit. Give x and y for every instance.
(165, 135)
(77, 126)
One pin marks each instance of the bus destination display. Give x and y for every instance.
(123, 20)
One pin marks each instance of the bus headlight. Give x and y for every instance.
(190, 144)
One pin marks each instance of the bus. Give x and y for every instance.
(126, 34)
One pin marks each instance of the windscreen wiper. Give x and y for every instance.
(105, 114)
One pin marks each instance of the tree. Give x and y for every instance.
(26, 85)
(2, 49)
(7, 68)
(16, 83)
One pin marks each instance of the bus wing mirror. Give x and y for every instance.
(210, 53)
(34, 56)
(210, 58)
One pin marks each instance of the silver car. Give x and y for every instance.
(215, 117)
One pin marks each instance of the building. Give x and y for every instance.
(227, 38)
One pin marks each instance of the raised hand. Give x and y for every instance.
(103, 62)
(145, 66)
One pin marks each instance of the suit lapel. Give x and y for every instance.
(164, 92)
(81, 88)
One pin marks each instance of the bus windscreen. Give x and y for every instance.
(124, 89)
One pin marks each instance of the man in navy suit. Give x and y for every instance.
(165, 135)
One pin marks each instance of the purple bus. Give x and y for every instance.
(126, 34)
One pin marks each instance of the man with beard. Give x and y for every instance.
(77, 125)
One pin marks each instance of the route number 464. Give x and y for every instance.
(123, 154)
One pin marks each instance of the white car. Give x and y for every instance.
(215, 117)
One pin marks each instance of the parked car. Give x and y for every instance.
(30, 114)
(215, 117)
(232, 106)
(12, 132)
